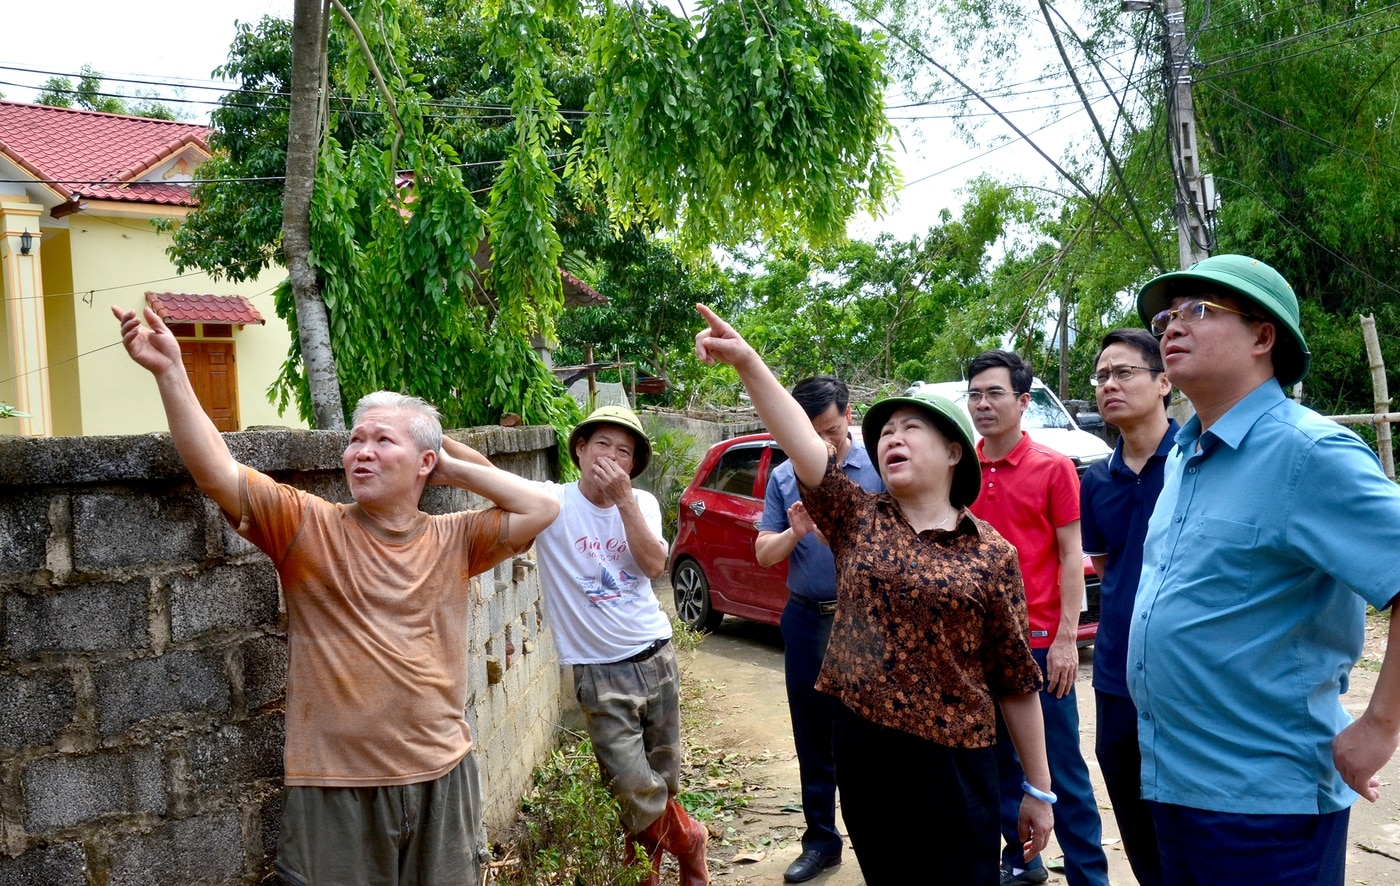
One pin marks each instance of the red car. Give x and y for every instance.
(713, 570)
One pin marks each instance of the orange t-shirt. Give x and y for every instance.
(376, 633)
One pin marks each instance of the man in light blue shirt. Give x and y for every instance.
(1274, 529)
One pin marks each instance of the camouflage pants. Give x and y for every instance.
(634, 719)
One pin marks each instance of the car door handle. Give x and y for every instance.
(697, 508)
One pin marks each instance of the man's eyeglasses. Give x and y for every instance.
(1189, 313)
(993, 395)
(1119, 374)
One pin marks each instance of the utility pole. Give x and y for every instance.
(1193, 238)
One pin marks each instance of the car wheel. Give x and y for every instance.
(693, 597)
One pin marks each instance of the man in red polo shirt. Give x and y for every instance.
(1030, 494)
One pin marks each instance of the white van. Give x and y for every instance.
(1046, 420)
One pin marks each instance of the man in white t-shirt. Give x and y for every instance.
(597, 562)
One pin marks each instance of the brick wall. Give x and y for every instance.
(143, 659)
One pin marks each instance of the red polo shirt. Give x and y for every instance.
(1026, 496)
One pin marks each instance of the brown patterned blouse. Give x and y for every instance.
(930, 627)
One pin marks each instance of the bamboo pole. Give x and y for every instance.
(592, 379)
(1382, 392)
(1366, 418)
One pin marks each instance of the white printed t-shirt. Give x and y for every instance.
(601, 604)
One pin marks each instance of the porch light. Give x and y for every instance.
(26, 241)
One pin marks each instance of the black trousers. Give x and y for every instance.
(805, 633)
(909, 802)
(1116, 746)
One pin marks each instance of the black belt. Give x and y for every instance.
(647, 652)
(825, 607)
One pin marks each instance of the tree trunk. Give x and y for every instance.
(303, 136)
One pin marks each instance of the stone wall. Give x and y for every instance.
(143, 659)
(703, 432)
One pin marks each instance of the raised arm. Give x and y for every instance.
(154, 348)
(784, 419)
(531, 506)
(460, 450)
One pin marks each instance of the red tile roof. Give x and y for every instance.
(96, 155)
(181, 307)
(579, 294)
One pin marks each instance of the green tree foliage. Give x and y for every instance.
(892, 310)
(766, 120)
(1295, 119)
(1297, 106)
(820, 105)
(650, 314)
(88, 94)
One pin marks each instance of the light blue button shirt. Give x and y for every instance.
(1247, 620)
(811, 567)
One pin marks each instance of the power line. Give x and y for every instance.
(89, 292)
(1292, 7)
(233, 89)
(989, 151)
(101, 348)
(1296, 128)
(1316, 242)
(1274, 61)
(1068, 103)
(1306, 35)
(1013, 90)
(220, 181)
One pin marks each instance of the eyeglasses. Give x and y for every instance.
(1119, 374)
(993, 395)
(1189, 313)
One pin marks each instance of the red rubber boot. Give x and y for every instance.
(685, 838)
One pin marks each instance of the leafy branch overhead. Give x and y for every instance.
(760, 119)
(445, 125)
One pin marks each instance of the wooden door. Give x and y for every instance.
(213, 372)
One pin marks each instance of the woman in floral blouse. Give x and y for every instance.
(929, 635)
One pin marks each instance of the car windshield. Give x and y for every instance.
(1043, 412)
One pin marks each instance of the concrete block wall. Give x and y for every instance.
(143, 660)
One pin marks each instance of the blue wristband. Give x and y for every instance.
(1043, 796)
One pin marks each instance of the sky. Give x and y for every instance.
(183, 42)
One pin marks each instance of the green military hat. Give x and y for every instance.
(951, 420)
(1248, 279)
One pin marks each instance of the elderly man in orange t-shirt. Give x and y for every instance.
(382, 786)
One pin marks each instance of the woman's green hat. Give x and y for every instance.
(952, 421)
(1246, 278)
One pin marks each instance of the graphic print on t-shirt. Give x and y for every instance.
(607, 585)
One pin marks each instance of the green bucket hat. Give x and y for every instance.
(952, 421)
(622, 417)
(1251, 280)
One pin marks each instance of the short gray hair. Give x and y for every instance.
(424, 422)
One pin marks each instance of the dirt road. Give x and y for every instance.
(739, 732)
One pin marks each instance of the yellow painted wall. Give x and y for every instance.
(57, 260)
(119, 260)
(7, 384)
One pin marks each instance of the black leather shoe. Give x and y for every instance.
(1029, 876)
(809, 864)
